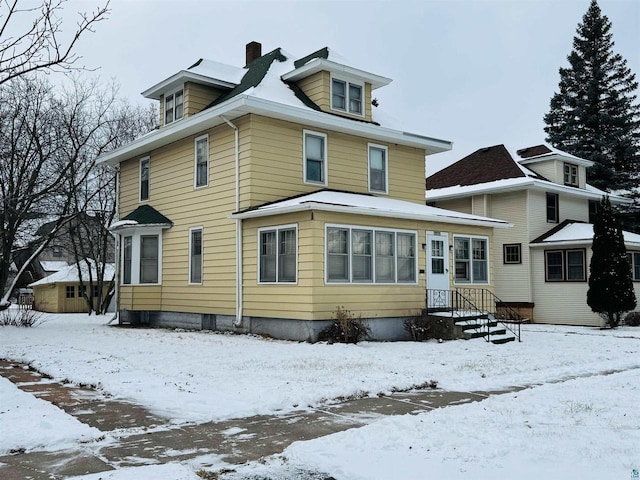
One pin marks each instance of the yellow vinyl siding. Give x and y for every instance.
(276, 154)
(313, 299)
(45, 298)
(197, 97)
(317, 88)
(172, 193)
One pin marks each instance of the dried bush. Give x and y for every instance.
(21, 318)
(632, 319)
(426, 327)
(345, 328)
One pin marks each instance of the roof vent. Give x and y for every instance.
(254, 50)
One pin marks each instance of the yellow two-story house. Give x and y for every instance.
(272, 194)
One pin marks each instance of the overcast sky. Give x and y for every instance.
(475, 72)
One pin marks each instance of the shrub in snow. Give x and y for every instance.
(20, 318)
(632, 319)
(424, 327)
(345, 328)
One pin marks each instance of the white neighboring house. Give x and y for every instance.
(545, 258)
(61, 291)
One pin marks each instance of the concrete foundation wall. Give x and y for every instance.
(382, 329)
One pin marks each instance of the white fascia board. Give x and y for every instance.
(244, 104)
(369, 212)
(557, 156)
(525, 183)
(319, 64)
(181, 77)
(563, 243)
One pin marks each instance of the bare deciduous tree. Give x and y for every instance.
(32, 39)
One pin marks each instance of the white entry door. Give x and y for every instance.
(438, 270)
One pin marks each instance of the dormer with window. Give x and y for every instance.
(556, 166)
(190, 91)
(334, 86)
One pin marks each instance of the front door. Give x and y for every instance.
(437, 270)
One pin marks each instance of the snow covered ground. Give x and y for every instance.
(580, 422)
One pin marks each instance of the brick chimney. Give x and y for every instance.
(254, 50)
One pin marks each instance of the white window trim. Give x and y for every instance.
(567, 177)
(488, 260)
(347, 81)
(195, 229)
(277, 228)
(140, 199)
(386, 167)
(195, 161)
(373, 260)
(135, 255)
(167, 94)
(325, 159)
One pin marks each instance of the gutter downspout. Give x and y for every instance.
(239, 290)
(116, 283)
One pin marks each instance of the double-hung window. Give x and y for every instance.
(173, 106)
(553, 210)
(201, 149)
(570, 175)
(369, 255)
(278, 251)
(471, 259)
(315, 158)
(593, 210)
(149, 259)
(346, 96)
(70, 291)
(145, 165)
(378, 169)
(634, 261)
(195, 255)
(565, 265)
(127, 248)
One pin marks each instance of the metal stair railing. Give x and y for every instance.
(455, 303)
(476, 301)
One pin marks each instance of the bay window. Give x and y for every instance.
(141, 257)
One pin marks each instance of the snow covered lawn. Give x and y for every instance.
(198, 376)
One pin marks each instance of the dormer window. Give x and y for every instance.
(173, 106)
(570, 175)
(346, 96)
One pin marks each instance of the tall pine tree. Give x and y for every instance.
(595, 114)
(610, 284)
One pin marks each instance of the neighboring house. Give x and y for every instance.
(273, 194)
(542, 263)
(61, 292)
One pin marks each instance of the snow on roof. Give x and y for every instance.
(581, 233)
(53, 265)
(217, 70)
(550, 154)
(70, 274)
(518, 183)
(122, 223)
(335, 201)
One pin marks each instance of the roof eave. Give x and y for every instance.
(320, 64)
(244, 104)
(556, 156)
(182, 76)
(257, 213)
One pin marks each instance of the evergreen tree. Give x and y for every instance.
(610, 283)
(595, 114)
